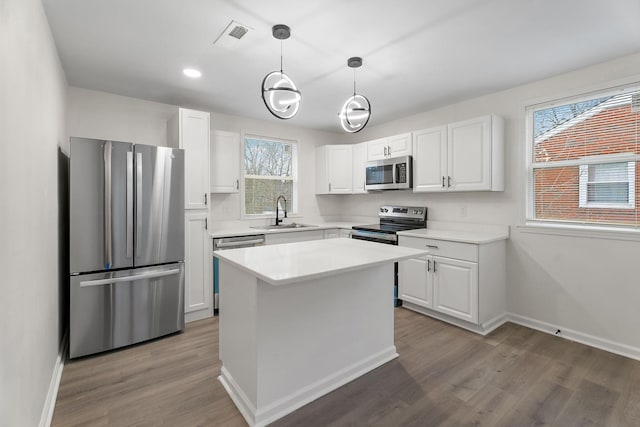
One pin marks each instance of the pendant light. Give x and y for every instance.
(279, 92)
(356, 111)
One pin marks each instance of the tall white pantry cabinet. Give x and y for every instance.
(190, 130)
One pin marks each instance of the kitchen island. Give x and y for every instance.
(299, 320)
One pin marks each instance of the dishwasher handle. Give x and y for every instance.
(239, 243)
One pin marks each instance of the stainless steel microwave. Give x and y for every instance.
(389, 174)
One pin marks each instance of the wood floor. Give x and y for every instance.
(445, 376)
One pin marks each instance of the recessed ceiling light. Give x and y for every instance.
(190, 72)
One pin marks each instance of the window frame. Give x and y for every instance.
(579, 228)
(293, 209)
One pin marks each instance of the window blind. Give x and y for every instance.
(583, 165)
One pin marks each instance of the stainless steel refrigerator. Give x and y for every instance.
(126, 244)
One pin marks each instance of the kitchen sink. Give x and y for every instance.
(282, 226)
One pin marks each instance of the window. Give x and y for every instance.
(608, 185)
(583, 160)
(270, 170)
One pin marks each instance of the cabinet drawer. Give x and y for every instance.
(443, 248)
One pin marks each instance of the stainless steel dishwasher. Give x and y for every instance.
(233, 242)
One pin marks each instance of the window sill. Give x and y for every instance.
(590, 232)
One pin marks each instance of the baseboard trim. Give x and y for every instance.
(54, 384)
(494, 323)
(259, 417)
(247, 410)
(197, 315)
(483, 329)
(577, 336)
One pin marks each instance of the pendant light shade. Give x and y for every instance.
(279, 93)
(356, 110)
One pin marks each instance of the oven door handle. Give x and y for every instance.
(373, 236)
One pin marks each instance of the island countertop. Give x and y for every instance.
(294, 262)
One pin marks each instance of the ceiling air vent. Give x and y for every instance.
(238, 32)
(231, 36)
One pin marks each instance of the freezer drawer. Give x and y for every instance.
(115, 309)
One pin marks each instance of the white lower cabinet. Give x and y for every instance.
(332, 233)
(198, 289)
(456, 281)
(442, 284)
(455, 288)
(415, 285)
(346, 233)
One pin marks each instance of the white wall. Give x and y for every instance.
(32, 126)
(587, 285)
(102, 115)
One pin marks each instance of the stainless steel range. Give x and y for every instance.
(392, 220)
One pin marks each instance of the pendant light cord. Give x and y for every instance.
(354, 82)
(280, 56)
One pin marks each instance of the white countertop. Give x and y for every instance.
(248, 231)
(294, 262)
(465, 236)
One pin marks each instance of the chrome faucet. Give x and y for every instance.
(278, 221)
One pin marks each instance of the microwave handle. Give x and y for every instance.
(396, 173)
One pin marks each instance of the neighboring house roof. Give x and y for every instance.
(614, 101)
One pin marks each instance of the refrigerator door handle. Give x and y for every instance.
(129, 204)
(143, 276)
(138, 200)
(108, 236)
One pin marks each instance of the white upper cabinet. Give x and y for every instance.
(359, 159)
(225, 162)
(377, 149)
(191, 129)
(475, 154)
(429, 159)
(399, 145)
(393, 146)
(471, 160)
(334, 167)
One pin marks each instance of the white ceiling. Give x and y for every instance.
(418, 54)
